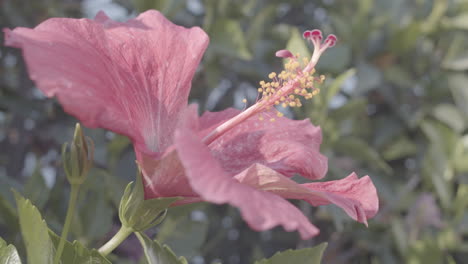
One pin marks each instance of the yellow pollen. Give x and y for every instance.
(279, 114)
(272, 120)
(296, 91)
(277, 102)
(260, 118)
(262, 83)
(260, 90)
(291, 96)
(272, 75)
(292, 104)
(284, 105)
(244, 100)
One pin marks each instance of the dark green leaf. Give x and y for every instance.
(34, 230)
(8, 254)
(75, 253)
(298, 256)
(157, 254)
(36, 189)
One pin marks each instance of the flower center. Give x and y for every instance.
(286, 88)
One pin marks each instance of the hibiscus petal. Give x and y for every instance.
(260, 209)
(288, 146)
(132, 78)
(357, 197)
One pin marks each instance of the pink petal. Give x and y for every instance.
(132, 78)
(261, 210)
(164, 176)
(287, 146)
(357, 197)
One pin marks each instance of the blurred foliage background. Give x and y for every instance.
(394, 106)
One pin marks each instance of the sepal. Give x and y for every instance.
(139, 214)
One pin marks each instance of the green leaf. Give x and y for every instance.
(75, 253)
(298, 256)
(34, 230)
(451, 116)
(228, 38)
(8, 254)
(359, 149)
(36, 189)
(457, 22)
(181, 232)
(139, 214)
(157, 254)
(297, 44)
(457, 84)
(335, 86)
(399, 148)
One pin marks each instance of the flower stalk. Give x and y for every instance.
(75, 188)
(115, 241)
(77, 160)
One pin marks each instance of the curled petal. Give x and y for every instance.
(261, 210)
(357, 197)
(132, 78)
(288, 146)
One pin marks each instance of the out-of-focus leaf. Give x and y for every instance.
(460, 155)
(336, 59)
(369, 77)
(457, 22)
(435, 168)
(34, 230)
(399, 148)
(297, 44)
(406, 38)
(228, 39)
(36, 189)
(460, 63)
(96, 217)
(424, 251)
(8, 214)
(400, 235)
(359, 149)
(8, 254)
(449, 114)
(157, 254)
(75, 253)
(298, 256)
(181, 232)
(259, 23)
(457, 84)
(335, 86)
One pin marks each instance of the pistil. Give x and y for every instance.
(285, 88)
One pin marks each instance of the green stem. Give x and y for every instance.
(68, 220)
(116, 240)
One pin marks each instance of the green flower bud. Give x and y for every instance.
(78, 157)
(139, 214)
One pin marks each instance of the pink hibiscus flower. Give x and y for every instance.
(134, 78)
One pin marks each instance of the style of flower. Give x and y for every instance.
(134, 78)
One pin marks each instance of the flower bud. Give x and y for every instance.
(78, 157)
(139, 214)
